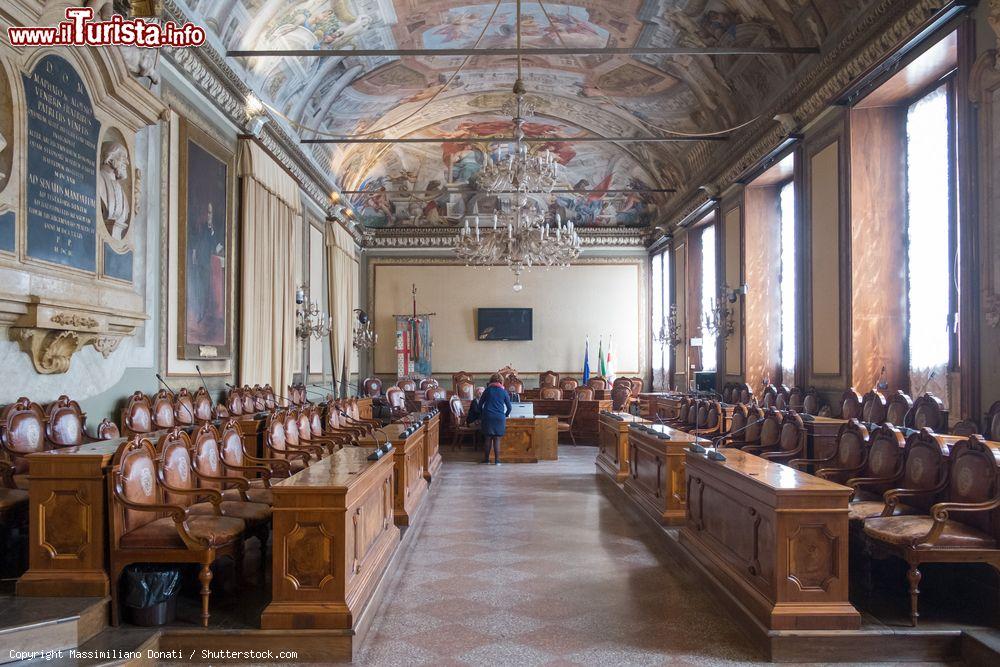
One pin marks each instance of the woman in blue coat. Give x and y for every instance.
(494, 406)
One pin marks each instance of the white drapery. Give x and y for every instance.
(271, 208)
(342, 276)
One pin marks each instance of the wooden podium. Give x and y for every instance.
(411, 485)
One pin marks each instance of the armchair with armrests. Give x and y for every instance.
(847, 459)
(513, 385)
(465, 390)
(22, 433)
(583, 394)
(277, 446)
(873, 407)
(566, 423)
(259, 399)
(203, 411)
(711, 425)
(898, 405)
(549, 393)
(316, 428)
(184, 408)
(928, 411)
(850, 405)
(406, 384)
(240, 463)
(428, 383)
(146, 527)
(397, 402)
(335, 424)
(163, 410)
(234, 402)
(460, 426)
(791, 439)
(307, 437)
(65, 423)
(598, 383)
(294, 439)
(249, 401)
(770, 434)
(744, 428)
(107, 430)
(620, 398)
(959, 521)
(137, 415)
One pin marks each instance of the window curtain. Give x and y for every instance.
(342, 277)
(270, 210)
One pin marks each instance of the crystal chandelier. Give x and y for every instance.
(365, 337)
(670, 330)
(525, 239)
(310, 321)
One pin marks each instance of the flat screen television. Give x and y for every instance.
(503, 323)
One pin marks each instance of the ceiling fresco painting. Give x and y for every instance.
(576, 95)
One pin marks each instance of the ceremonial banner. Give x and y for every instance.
(413, 345)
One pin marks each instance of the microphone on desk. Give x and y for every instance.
(203, 385)
(173, 393)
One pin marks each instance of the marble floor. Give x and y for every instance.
(532, 565)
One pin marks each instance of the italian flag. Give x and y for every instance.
(608, 364)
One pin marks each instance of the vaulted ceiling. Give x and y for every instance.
(573, 95)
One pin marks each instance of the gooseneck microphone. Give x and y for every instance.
(715, 454)
(159, 377)
(203, 385)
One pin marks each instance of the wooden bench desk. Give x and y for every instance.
(656, 475)
(773, 537)
(333, 538)
(588, 413)
(612, 452)
(821, 436)
(408, 453)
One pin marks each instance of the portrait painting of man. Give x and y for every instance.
(204, 252)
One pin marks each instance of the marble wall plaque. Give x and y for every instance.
(61, 174)
(7, 231)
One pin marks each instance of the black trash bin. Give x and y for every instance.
(151, 594)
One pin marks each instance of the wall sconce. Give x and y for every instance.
(718, 321)
(365, 337)
(310, 321)
(670, 331)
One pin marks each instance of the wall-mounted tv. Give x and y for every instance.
(503, 323)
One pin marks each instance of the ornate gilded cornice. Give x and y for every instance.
(868, 41)
(208, 71)
(417, 237)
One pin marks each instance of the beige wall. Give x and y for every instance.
(592, 299)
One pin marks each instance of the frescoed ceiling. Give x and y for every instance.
(575, 95)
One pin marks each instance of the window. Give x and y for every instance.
(709, 296)
(928, 238)
(786, 204)
(660, 276)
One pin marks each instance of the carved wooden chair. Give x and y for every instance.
(397, 402)
(727, 391)
(739, 420)
(745, 394)
(770, 434)
(220, 411)
(407, 384)
(270, 402)
(682, 411)
(751, 423)
(568, 385)
(565, 424)
(317, 428)
(202, 402)
(234, 402)
(992, 422)
(959, 522)
(770, 397)
(22, 432)
(795, 399)
(249, 402)
(428, 383)
(460, 426)
(259, 399)
(513, 385)
(276, 443)
(710, 425)
(548, 393)
(848, 457)
(352, 416)
(65, 423)
(336, 423)
(598, 383)
(850, 405)
(583, 393)
(293, 438)
(898, 405)
(465, 390)
(458, 378)
(240, 463)
(883, 467)
(307, 437)
(137, 417)
(637, 386)
(163, 410)
(965, 428)
(697, 413)
(928, 411)
(145, 527)
(548, 379)
(620, 397)
(184, 408)
(811, 402)
(791, 439)
(107, 430)
(873, 407)
(436, 393)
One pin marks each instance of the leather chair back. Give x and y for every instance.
(583, 394)
(203, 405)
(810, 402)
(713, 415)
(436, 393)
(992, 430)
(795, 399)
(852, 445)
(465, 390)
(292, 436)
(406, 384)
(701, 415)
(928, 411)
(548, 379)
(22, 432)
(221, 412)
(259, 399)
(206, 456)
(234, 402)
(65, 422)
(316, 420)
(184, 408)
(738, 421)
(898, 406)
(727, 392)
(138, 415)
(966, 427)
(248, 400)
(457, 378)
(568, 384)
(107, 430)
(457, 410)
(637, 386)
(598, 383)
(270, 401)
(304, 424)
(550, 393)
(770, 430)
(873, 407)
(619, 397)
(885, 458)
(175, 469)
(925, 468)
(793, 433)
(780, 402)
(745, 394)
(135, 479)
(274, 433)
(973, 479)
(396, 398)
(231, 445)
(850, 405)
(753, 432)
(770, 396)
(427, 383)
(163, 410)
(513, 385)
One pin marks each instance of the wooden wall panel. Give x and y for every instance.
(825, 199)
(763, 316)
(733, 274)
(878, 295)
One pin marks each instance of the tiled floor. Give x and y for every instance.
(531, 565)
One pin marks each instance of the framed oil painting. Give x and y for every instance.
(205, 240)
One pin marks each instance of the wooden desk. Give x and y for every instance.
(68, 508)
(612, 452)
(410, 486)
(821, 436)
(587, 415)
(648, 402)
(656, 475)
(432, 444)
(530, 440)
(665, 406)
(775, 538)
(333, 537)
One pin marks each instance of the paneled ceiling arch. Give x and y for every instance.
(593, 93)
